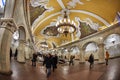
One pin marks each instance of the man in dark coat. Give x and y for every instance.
(10, 53)
(16, 53)
(54, 62)
(91, 60)
(48, 63)
(71, 60)
(34, 59)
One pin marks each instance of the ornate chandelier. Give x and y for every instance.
(65, 25)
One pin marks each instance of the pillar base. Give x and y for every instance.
(6, 73)
(101, 62)
(21, 62)
(82, 62)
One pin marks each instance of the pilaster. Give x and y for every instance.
(27, 52)
(82, 59)
(7, 28)
(21, 51)
(101, 53)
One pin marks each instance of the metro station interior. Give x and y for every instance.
(64, 28)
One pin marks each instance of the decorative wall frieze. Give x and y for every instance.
(9, 24)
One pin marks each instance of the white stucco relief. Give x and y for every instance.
(72, 3)
(88, 21)
(61, 4)
(37, 3)
(78, 11)
(92, 24)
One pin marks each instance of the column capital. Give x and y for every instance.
(9, 24)
(101, 44)
(80, 47)
(22, 42)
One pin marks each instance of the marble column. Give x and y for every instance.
(21, 51)
(7, 28)
(101, 53)
(82, 54)
(27, 52)
(31, 52)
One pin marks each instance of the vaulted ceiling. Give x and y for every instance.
(89, 15)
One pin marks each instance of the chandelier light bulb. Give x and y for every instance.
(65, 20)
(72, 22)
(57, 23)
(60, 21)
(68, 20)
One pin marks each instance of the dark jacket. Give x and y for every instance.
(16, 53)
(91, 59)
(54, 60)
(48, 62)
(34, 59)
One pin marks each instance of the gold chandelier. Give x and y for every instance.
(65, 25)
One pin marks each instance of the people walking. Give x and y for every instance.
(71, 60)
(48, 63)
(15, 55)
(91, 60)
(34, 59)
(10, 54)
(107, 57)
(54, 62)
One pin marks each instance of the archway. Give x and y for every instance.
(22, 33)
(15, 44)
(18, 38)
(21, 47)
(91, 48)
(75, 52)
(112, 45)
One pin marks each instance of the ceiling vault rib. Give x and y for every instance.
(61, 4)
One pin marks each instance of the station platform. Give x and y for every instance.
(65, 72)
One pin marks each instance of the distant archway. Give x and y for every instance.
(112, 44)
(18, 35)
(91, 48)
(22, 33)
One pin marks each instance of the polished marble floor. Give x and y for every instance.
(65, 72)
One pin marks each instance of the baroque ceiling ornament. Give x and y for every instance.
(93, 25)
(89, 19)
(41, 9)
(36, 3)
(50, 31)
(72, 4)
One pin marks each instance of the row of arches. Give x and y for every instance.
(111, 44)
(22, 45)
(14, 20)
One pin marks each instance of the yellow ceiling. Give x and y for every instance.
(99, 11)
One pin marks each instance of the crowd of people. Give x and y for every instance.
(91, 59)
(51, 61)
